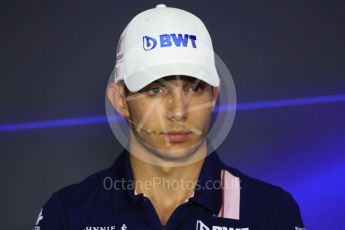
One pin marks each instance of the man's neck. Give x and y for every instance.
(144, 171)
(167, 187)
(146, 165)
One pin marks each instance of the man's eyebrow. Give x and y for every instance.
(165, 81)
(156, 81)
(150, 85)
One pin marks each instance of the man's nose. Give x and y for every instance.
(176, 108)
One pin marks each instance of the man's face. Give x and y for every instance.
(175, 114)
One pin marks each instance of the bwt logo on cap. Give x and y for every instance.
(168, 40)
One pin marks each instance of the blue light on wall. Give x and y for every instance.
(103, 119)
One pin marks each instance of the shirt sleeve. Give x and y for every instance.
(51, 216)
(286, 214)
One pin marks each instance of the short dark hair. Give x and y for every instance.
(125, 89)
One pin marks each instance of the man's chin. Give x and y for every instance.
(176, 154)
(173, 154)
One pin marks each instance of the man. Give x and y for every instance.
(166, 86)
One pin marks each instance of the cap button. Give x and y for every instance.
(161, 6)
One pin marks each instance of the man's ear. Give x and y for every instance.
(215, 94)
(117, 97)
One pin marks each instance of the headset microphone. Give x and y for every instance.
(146, 130)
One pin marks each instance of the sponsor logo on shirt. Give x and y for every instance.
(100, 228)
(169, 40)
(201, 226)
(123, 227)
(39, 218)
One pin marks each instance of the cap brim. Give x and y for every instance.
(142, 78)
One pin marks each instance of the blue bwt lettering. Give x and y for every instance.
(168, 40)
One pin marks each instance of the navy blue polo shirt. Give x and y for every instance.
(224, 199)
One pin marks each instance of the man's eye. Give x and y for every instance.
(155, 91)
(194, 87)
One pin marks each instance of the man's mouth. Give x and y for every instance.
(177, 136)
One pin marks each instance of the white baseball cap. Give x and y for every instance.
(161, 42)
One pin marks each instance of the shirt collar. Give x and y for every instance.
(123, 195)
(208, 192)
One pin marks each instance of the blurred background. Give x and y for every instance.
(287, 59)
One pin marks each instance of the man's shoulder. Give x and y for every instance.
(90, 188)
(254, 190)
(268, 198)
(72, 203)
(251, 183)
